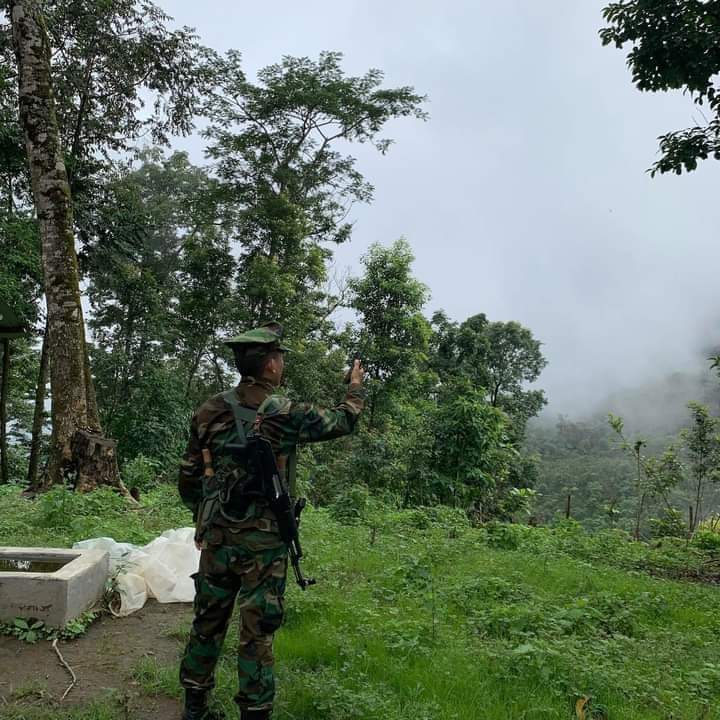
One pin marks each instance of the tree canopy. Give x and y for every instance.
(674, 46)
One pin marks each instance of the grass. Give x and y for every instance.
(423, 617)
(109, 708)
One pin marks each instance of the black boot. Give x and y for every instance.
(255, 714)
(196, 707)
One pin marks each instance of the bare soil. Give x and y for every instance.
(103, 661)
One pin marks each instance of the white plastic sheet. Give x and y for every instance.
(161, 569)
(133, 593)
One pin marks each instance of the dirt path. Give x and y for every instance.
(103, 660)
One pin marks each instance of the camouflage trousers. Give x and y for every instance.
(250, 566)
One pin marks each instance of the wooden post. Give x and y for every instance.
(567, 507)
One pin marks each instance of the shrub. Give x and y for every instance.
(670, 524)
(141, 472)
(707, 540)
(503, 536)
(352, 505)
(61, 506)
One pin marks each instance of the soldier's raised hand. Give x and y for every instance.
(357, 373)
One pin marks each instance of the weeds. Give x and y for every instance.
(32, 630)
(429, 618)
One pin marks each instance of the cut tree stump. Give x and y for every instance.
(93, 462)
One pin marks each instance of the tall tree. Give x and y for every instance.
(119, 73)
(70, 380)
(160, 270)
(276, 146)
(674, 47)
(204, 302)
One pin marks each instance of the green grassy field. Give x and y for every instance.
(420, 616)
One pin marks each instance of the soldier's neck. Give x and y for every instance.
(260, 382)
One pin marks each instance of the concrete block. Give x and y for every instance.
(53, 597)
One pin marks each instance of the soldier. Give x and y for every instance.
(244, 558)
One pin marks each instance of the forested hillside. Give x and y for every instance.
(665, 457)
(173, 258)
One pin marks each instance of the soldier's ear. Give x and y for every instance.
(274, 363)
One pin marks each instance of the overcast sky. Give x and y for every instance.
(525, 195)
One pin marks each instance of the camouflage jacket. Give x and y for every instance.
(285, 423)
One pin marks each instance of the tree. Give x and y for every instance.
(20, 288)
(284, 181)
(160, 271)
(500, 357)
(204, 302)
(674, 46)
(72, 389)
(473, 449)
(118, 74)
(655, 477)
(148, 237)
(393, 334)
(702, 445)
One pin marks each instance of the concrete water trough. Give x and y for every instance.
(48, 584)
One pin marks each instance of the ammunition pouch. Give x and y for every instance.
(226, 499)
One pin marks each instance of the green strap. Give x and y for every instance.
(244, 417)
(291, 465)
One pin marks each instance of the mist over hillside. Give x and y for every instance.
(581, 457)
(656, 406)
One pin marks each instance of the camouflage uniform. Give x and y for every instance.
(247, 559)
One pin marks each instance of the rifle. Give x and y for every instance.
(288, 516)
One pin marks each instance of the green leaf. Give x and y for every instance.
(524, 649)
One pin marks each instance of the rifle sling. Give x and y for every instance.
(244, 417)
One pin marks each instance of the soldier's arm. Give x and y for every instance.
(313, 423)
(191, 471)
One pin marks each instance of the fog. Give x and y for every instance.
(525, 195)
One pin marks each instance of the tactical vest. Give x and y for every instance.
(232, 492)
(245, 420)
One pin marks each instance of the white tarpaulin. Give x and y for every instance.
(161, 569)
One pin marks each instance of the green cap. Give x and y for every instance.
(266, 338)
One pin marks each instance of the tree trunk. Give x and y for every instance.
(4, 385)
(638, 516)
(193, 370)
(698, 508)
(73, 407)
(93, 414)
(38, 416)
